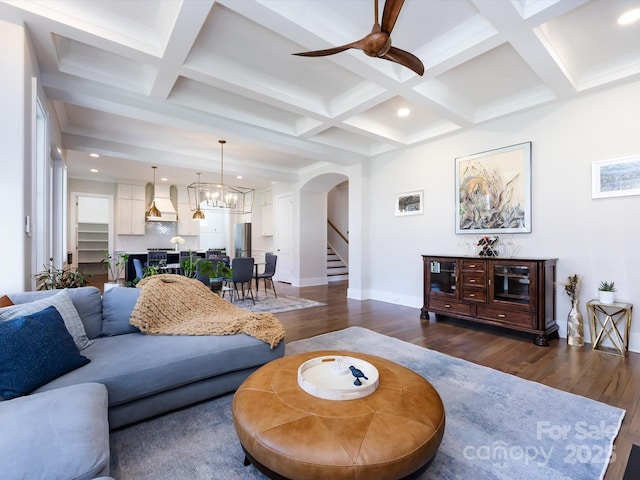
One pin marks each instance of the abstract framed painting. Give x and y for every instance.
(409, 203)
(493, 191)
(617, 177)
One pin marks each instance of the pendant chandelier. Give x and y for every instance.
(153, 210)
(198, 214)
(219, 197)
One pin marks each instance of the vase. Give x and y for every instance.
(575, 326)
(177, 247)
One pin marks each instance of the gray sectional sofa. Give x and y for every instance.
(64, 423)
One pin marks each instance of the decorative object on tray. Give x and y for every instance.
(607, 292)
(493, 191)
(575, 321)
(356, 372)
(332, 377)
(488, 247)
(177, 241)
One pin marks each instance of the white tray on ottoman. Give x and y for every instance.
(338, 377)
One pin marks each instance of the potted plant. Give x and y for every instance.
(220, 272)
(189, 265)
(52, 278)
(607, 292)
(115, 267)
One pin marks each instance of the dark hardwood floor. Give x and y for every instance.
(602, 377)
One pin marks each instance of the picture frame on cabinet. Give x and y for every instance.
(615, 177)
(410, 203)
(493, 191)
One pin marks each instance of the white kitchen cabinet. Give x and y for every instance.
(267, 213)
(186, 224)
(131, 210)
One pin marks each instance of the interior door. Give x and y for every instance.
(283, 239)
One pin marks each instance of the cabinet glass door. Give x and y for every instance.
(512, 283)
(443, 276)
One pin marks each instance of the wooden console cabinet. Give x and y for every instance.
(515, 293)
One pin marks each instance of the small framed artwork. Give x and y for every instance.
(616, 177)
(410, 203)
(493, 191)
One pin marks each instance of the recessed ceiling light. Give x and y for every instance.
(94, 155)
(629, 17)
(403, 112)
(239, 177)
(94, 170)
(164, 179)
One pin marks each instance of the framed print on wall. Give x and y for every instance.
(615, 178)
(409, 203)
(493, 191)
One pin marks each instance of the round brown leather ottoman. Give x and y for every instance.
(287, 433)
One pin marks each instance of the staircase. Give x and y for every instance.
(336, 268)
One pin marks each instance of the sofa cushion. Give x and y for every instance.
(134, 366)
(87, 300)
(63, 303)
(61, 434)
(34, 350)
(5, 301)
(117, 304)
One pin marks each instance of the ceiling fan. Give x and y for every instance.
(378, 42)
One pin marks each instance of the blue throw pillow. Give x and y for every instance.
(34, 350)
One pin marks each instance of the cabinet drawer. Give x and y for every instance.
(507, 317)
(445, 306)
(474, 295)
(474, 280)
(473, 266)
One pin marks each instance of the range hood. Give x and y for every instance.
(163, 202)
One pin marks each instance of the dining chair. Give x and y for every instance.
(242, 275)
(137, 265)
(269, 272)
(203, 277)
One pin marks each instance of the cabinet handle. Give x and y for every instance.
(473, 265)
(472, 281)
(446, 305)
(472, 294)
(501, 315)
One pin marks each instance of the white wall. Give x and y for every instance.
(595, 238)
(15, 172)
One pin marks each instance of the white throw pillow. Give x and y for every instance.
(62, 302)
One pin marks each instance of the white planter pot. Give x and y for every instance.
(606, 297)
(110, 285)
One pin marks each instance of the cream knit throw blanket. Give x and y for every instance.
(177, 305)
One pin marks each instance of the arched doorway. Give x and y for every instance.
(314, 208)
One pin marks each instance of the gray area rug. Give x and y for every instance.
(269, 303)
(498, 425)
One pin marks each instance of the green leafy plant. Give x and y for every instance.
(115, 265)
(52, 278)
(221, 270)
(189, 265)
(607, 286)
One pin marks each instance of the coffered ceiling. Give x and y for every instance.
(144, 82)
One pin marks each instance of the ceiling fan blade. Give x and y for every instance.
(331, 51)
(405, 58)
(390, 14)
(323, 53)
